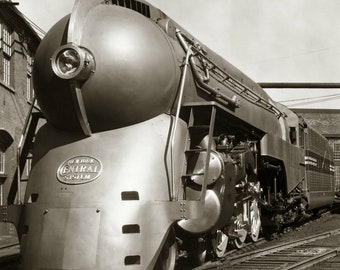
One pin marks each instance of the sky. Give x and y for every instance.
(270, 41)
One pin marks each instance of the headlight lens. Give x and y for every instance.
(68, 61)
(72, 62)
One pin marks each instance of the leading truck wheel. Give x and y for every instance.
(168, 256)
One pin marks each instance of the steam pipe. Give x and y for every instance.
(174, 127)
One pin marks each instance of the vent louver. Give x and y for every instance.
(134, 5)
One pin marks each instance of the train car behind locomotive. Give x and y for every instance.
(155, 149)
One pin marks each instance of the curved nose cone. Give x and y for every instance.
(135, 72)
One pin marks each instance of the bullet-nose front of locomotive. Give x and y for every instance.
(92, 201)
(132, 76)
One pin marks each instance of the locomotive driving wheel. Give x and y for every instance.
(255, 216)
(240, 231)
(247, 222)
(220, 243)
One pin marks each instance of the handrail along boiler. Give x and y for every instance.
(155, 149)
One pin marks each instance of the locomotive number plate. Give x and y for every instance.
(79, 170)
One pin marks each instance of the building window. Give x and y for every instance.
(6, 70)
(28, 165)
(29, 64)
(336, 151)
(7, 40)
(28, 89)
(6, 36)
(28, 79)
(2, 162)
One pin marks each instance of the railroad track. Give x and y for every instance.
(300, 254)
(9, 252)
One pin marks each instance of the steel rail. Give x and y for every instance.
(9, 253)
(270, 250)
(313, 260)
(9, 245)
(244, 261)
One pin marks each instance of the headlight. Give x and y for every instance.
(68, 61)
(72, 62)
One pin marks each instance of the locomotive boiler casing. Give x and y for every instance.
(99, 202)
(134, 79)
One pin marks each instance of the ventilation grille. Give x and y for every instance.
(134, 5)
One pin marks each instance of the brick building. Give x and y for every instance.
(327, 122)
(18, 43)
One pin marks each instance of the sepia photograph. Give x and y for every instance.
(169, 135)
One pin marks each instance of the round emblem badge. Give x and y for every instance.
(79, 170)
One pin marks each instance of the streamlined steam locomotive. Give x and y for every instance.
(155, 149)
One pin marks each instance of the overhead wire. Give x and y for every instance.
(310, 98)
(316, 100)
(283, 57)
(36, 28)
